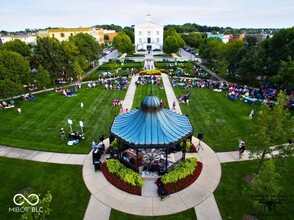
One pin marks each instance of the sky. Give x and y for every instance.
(34, 14)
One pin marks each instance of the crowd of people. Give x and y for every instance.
(4, 104)
(120, 83)
(250, 95)
(149, 79)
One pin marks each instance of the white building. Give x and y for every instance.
(148, 37)
(28, 39)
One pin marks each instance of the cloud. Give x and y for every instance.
(17, 15)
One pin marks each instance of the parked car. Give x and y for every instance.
(165, 59)
(128, 59)
(105, 74)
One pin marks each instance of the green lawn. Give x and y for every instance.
(222, 121)
(186, 215)
(38, 126)
(70, 196)
(233, 204)
(145, 90)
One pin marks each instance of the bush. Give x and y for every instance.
(173, 187)
(150, 72)
(118, 183)
(182, 170)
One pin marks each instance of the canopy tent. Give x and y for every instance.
(151, 126)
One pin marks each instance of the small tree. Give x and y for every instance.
(106, 37)
(265, 186)
(40, 210)
(42, 76)
(274, 125)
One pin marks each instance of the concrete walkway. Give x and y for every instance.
(104, 193)
(129, 98)
(42, 156)
(170, 94)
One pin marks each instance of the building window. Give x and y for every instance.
(140, 40)
(71, 34)
(157, 40)
(140, 32)
(148, 33)
(53, 35)
(157, 32)
(148, 40)
(62, 35)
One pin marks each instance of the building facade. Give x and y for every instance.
(148, 37)
(28, 39)
(62, 34)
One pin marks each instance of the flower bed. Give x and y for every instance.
(150, 72)
(172, 187)
(115, 180)
(193, 149)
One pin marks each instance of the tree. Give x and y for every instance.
(87, 46)
(233, 53)
(285, 75)
(50, 54)
(106, 37)
(222, 67)
(169, 32)
(42, 76)
(130, 33)
(265, 186)
(212, 49)
(123, 43)
(172, 41)
(249, 67)
(40, 211)
(17, 46)
(78, 70)
(193, 39)
(274, 126)
(14, 72)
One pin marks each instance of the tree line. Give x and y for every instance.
(43, 63)
(270, 60)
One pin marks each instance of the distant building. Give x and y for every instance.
(148, 37)
(111, 34)
(62, 34)
(225, 38)
(28, 39)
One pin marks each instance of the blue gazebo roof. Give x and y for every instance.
(151, 125)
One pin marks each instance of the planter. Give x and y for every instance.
(150, 72)
(118, 183)
(184, 183)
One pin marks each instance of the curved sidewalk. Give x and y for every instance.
(106, 195)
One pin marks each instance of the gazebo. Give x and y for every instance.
(150, 127)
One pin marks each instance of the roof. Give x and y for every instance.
(151, 125)
(149, 25)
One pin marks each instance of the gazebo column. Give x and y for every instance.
(137, 164)
(166, 163)
(184, 149)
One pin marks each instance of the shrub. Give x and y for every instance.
(120, 184)
(150, 72)
(183, 183)
(125, 174)
(182, 170)
(188, 146)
